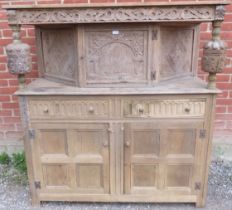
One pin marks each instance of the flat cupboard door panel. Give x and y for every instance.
(73, 157)
(176, 43)
(116, 54)
(162, 157)
(59, 57)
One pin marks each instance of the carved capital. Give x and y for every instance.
(220, 12)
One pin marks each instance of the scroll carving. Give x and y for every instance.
(119, 14)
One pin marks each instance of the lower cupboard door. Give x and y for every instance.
(163, 158)
(72, 158)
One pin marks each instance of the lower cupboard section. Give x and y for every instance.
(126, 162)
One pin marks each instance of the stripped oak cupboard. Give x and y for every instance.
(118, 114)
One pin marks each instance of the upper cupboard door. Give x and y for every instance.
(115, 54)
(178, 54)
(58, 54)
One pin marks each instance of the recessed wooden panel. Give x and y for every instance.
(56, 176)
(91, 154)
(116, 54)
(89, 176)
(59, 54)
(178, 175)
(176, 51)
(53, 142)
(181, 141)
(146, 142)
(88, 142)
(144, 175)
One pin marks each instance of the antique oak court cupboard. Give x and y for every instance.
(118, 114)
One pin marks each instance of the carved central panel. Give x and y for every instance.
(116, 55)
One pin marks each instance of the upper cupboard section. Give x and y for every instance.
(117, 55)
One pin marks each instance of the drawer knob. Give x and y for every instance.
(140, 109)
(127, 143)
(187, 110)
(46, 110)
(105, 144)
(91, 110)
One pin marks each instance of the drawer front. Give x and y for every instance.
(156, 108)
(69, 108)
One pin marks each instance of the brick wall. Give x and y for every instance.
(10, 127)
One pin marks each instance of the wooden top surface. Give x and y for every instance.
(180, 3)
(186, 85)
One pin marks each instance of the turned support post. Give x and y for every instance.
(19, 56)
(213, 60)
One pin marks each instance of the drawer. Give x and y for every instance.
(164, 108)
(56, 108)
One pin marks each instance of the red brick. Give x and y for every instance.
(4, 98)
(11, 119)
(219, 124)
(14, 134)
(7, 127)
(223, 78)
(224, 94)
(224, 85)
(75, 1)
(224, 101)
(220, 109)
(5, 113)
(230, 109)
(221, 116)
(10, 105)
(3, 83)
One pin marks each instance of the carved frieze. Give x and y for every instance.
(115, 14)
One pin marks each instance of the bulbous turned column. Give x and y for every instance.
(214, 58)
(19, 56)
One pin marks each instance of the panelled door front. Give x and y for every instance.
(163, 157)
(72, 158)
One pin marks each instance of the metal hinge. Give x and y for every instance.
(202, 134)
(31, 133)
(197, 186)
(154, 34)
(37, 185)
(153, 75)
